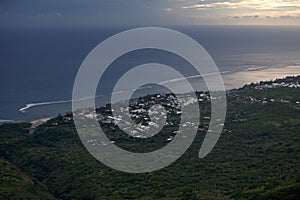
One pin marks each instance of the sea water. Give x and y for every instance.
(39, 65)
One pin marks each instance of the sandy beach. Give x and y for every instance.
(37, 122)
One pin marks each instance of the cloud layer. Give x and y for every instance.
(145, 12)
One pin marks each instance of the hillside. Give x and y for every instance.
(257, 156)
(15, 184)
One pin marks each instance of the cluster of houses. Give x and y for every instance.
(289, 82)
(139, 109)
(282, 84)
(146, 112)
(266, 100)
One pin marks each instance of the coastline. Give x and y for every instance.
(241, 78)
(37, 122)
(232, 80)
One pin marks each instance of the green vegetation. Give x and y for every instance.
(15, 184)
(257, 157)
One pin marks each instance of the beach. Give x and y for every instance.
(37, 122)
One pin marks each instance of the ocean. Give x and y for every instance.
(39, 65)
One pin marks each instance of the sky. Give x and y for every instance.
(148, 12)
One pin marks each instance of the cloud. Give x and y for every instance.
(250, 17)
(247, 11)
(168, 10)
(145, 12)
(279, 19)
(250, 4)
(87, 12)
(289, 17)
(245, 17)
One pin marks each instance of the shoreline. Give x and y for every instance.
(37, 122)
(232, 81)
(242, 78)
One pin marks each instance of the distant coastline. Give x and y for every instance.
(244, 77)
(232, 80)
